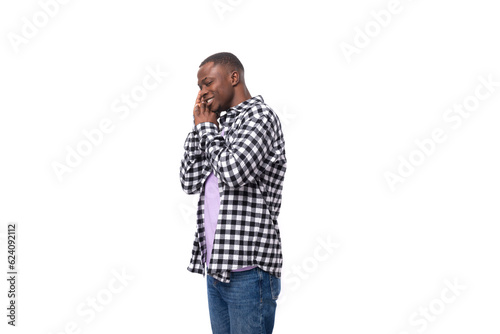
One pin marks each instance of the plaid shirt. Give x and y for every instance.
(249, 163)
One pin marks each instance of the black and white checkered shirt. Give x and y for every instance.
(249, 162)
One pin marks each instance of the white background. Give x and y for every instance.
(345, 125)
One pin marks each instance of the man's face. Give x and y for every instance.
(215, 83)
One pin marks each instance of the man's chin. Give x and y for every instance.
(216, 110)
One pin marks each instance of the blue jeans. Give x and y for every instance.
(246, 305)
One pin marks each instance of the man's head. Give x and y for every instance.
(221, 78)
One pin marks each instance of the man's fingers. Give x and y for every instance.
(196, 109)
(203, 107)
(202, 111)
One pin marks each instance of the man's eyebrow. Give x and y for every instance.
(205, 78)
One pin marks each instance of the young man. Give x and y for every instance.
(235, 159)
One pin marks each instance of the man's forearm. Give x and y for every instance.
(239, 163)
(194, 165)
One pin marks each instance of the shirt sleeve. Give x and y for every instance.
(194, 165)
(238, 161)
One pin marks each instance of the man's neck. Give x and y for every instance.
(241, 96)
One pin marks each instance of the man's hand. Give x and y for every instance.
(202, 112)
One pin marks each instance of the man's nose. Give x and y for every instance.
(204, 92)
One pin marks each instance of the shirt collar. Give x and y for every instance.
(232, 112)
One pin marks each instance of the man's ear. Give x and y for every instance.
(235, 78)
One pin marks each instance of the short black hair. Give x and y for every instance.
(230, 61)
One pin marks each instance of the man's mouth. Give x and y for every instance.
(209, 100)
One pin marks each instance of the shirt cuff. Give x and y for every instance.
(206, 131)
(192, 145)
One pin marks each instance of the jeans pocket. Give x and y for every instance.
(275, 283)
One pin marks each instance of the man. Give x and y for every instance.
(235, 159)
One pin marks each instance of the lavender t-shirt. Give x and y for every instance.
(212, 203)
